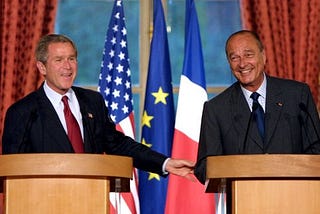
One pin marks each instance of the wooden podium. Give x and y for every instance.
(60, 183)
(267, 184)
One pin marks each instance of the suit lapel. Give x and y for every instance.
(51, 122)
(241, 114)
(88, 127)
(241, 117)
(274, 104)
(88, 121)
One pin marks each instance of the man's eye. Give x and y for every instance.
(234, 58)
(249, 55)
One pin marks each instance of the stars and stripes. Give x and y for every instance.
(115, 87)
(115, 75)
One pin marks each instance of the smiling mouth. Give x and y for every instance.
(244, 71)
(66, 75)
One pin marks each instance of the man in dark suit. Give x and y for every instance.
(36, 123)
(290, 121)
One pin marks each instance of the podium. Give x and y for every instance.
(61, 183)
(267, 184)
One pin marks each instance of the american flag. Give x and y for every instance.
(115, 87)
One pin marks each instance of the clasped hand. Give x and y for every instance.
(183, 168)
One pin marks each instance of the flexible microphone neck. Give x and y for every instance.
(303, 107)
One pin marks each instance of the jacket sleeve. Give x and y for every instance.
(115, 142)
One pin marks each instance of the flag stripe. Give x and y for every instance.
(191, 96)
(187, 143)
(126, 127)
(115, 87)
(184, 196)
(132, 198)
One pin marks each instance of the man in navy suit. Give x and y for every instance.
(291, 121)
(36, 123)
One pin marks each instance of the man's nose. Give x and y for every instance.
(242, 62)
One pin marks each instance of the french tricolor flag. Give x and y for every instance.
(185, 196)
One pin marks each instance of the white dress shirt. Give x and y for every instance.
(262, 90)
(55, 99)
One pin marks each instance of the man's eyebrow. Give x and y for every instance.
(249, 50)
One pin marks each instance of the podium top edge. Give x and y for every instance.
(63, 164)
(264, 165)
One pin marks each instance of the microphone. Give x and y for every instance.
(303, 107)
(26, 132)
(254, 107)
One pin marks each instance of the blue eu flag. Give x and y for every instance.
(158, 115)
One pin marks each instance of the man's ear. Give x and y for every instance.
(41, 67)
(264, 56)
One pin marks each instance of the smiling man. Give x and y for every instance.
(62, 118)
(257, 114)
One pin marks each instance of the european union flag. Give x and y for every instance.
(158, 115)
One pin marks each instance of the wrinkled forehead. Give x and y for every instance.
(241, 43)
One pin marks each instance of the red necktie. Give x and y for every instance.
(73, 128)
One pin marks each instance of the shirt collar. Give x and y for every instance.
(262, 90)
(55, 97)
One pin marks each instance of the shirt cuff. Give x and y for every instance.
(164, 166)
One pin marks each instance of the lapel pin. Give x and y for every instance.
(90, 115)
(279, 104)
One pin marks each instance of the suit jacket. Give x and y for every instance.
(288, 129)
(32, 126)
